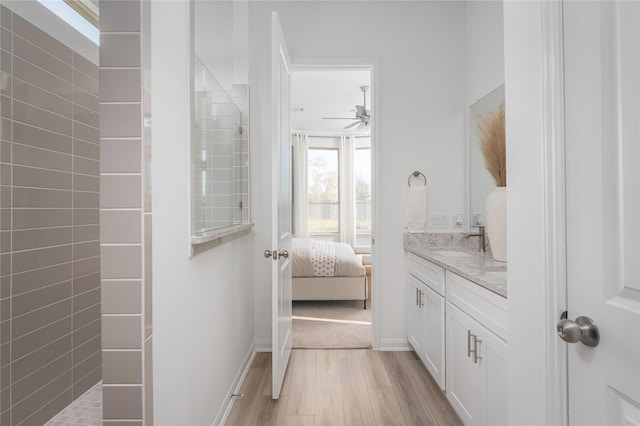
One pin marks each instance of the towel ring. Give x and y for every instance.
(416, 174)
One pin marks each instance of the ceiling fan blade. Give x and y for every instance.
(340, 118)
(352, 125)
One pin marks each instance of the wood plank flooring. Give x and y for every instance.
(343, 387)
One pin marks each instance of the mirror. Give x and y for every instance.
(479, 182)
(219, 155)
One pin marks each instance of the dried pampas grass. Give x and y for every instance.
(493, 145)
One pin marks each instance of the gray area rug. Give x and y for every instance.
(342, 324)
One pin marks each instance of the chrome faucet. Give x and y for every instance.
(481, 238)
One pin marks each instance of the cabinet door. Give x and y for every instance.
(417, 317)
(493, 351)
(465, 378)
(433, 304)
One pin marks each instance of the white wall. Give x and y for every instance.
(484, 48)
(203, 305)
(526, 219)
(421, 99)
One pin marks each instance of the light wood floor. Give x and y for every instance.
(343, 387)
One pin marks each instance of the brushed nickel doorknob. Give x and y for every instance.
(583, 329)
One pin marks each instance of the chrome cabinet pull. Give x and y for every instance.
(476, 341)
(468, 343)
(416, 296)
(420, 299)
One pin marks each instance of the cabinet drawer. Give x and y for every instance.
(427, 272)
(483, 305)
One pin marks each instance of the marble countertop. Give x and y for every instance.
(472, 265)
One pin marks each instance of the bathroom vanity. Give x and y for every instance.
(457, 304)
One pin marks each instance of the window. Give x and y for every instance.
(362, 181)
(324, 191)
(337, 178)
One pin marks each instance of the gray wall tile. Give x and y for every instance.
(38, 37)
(85, 65)
(41, 218)
(31, 239)
(86, 116)
(84, 82)
(39, 258)
(86, 300)
(6, 17)
(120, 85)
(37, 319)
(42, 79)
(35, 157)
(37, 380)
(87, 382)
(120, 16)
(86, 133)
(122, 367)
(85, 200)
(35, 96)
(120, 50)
(86, 183)
(33, 136)
(121, 226)
(121, 332)
(88, 332)
(86, 100)
(86, 216)
(86, 149)
(86, 166)
(41, 118)
(85, 250)
(6, 41)
(121, 297)
(41, 198)
(122, 402)
(120, 191)
(36, 360)
(38, 339)
(41, 178)
(120, 120)
(41, 58)
(32, 280)
(86, 283)
(42, 298)
(82, 368)
(86, 266)
(51, 409)
(85, 317)
(40, 398)
(148, 379)
(121, 262)
(120, 155)
(86, 233)
(84, 351)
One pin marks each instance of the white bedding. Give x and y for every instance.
(345, 262)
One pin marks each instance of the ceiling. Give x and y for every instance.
(327, 93)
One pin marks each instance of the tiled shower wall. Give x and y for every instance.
(125, 211)
(50, 338)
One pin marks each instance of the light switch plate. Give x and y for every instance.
(477, 219)
(458, 221)
(438, 221)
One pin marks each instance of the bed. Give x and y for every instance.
(324, 270)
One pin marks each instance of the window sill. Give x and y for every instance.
(217, 234)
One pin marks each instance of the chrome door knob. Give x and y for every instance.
(583, 329)
(267, 253)
(284, 254)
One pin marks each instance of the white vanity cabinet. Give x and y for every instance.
(476, 354)
(426, 306)
(472, 367)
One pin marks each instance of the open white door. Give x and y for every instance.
(602, 91)
(281, 322)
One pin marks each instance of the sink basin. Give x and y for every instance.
(452, 253)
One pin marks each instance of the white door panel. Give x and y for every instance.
(602, 95)
(281, 322)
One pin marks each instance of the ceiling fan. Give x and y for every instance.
(362, 117)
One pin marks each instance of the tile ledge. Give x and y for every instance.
(217, 234)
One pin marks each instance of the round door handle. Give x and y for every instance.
(583, 329)
(284, 254)
(267, 253)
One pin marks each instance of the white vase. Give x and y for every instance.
(496, 214)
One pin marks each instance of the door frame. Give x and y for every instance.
(372, 65)
(555, 241)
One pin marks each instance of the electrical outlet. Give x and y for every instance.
(457, 220)
(477, 219)
(438, 221)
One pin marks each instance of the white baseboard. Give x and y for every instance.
(225, 410)
(401, 344)
(263, 345)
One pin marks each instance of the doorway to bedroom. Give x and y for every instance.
(332, 126)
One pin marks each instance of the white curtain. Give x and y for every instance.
(300, 199)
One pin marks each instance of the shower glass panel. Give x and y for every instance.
(220, 155)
